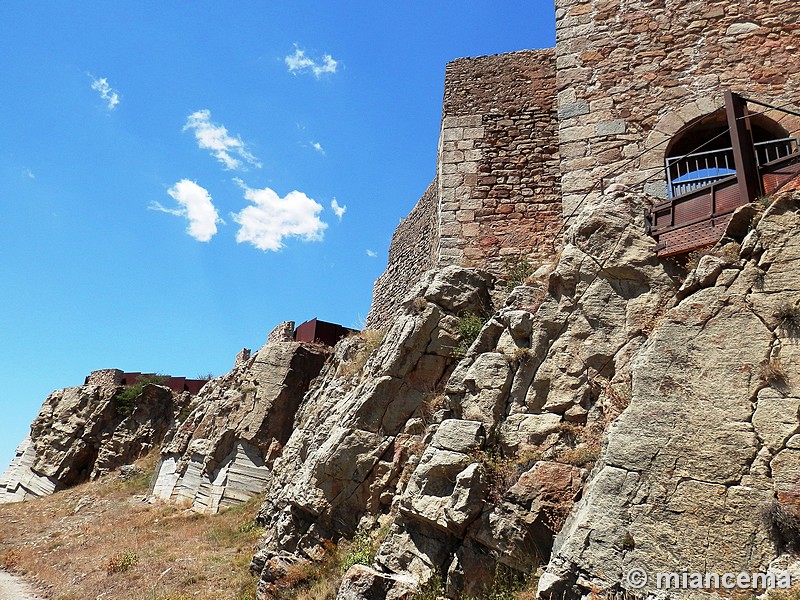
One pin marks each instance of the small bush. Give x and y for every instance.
(432, 589)
(430, 405)
(469, 326)
(363, 548)
(125, 398)
(517, 269)
(121, 562)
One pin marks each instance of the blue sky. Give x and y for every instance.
(177, 178)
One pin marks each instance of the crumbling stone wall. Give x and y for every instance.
(412, 252)
(499, 189)
(631, 74)
(105, 377)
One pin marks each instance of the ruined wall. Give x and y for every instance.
(631, 74)
(411, 253)
(498, 160)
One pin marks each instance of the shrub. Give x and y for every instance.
(517, 269)
(469, 326)
(121, 562)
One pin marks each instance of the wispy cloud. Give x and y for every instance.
(28, 173)
(300, 63)
(338, 210)
(271, 218)
(107, 93)
(215, 138)
(371, 253)
(196, 206)
(318, 147)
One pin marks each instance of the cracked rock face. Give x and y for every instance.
(222, 454)
(693, 467)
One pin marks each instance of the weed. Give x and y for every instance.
(521, 356)
(508, 584)
(517, 269)
(432, 589)
(765, 201)
(627, 542)
(788, 318)
(121, 562)
(363, 547)
(501, 472)
(469, 326)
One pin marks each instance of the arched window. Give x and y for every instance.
(702, 154)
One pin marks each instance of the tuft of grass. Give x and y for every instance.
(584, 455)
(784, 521)
(433, 589)
(363, 548)
(788, 317)
(469, 326)
(772, 372)
(369, 340)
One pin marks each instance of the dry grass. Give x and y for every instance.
(772, 372)
(370, 339)
(101, 539)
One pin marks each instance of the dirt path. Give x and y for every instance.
(13, 588)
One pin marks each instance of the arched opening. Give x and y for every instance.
(701, 154)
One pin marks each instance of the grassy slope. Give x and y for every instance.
(100, 540)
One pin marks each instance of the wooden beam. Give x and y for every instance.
(744, 156)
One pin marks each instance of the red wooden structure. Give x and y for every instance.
(705, 188)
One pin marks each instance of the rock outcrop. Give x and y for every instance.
(470, 457)
(84, 432)
(702, 470)
(223, 452)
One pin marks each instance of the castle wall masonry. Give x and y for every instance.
(528, 137)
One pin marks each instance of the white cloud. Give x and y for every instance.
(196, 206)
(338, 210)
(300, 63)
(28, 173)
(107, 93)
(272, 218)
(215, 138)
(371, 253)
(318, 147)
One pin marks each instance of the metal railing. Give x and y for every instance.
(699, 169)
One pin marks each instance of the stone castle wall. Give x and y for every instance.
(499, 189)
(412, 252)
(529, 137)
(631, 74)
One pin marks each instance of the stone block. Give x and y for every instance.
(614, 127)
(573, 109)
